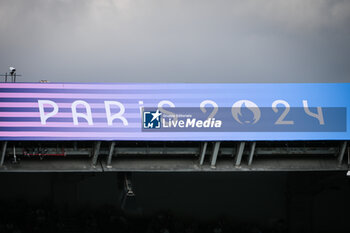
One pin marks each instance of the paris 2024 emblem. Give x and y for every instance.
(248, 107)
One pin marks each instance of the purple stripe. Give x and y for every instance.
(116, 123)
(82, 110)
(109, 96)
(63, 115)
(63, 100)
(121, 86)
(149, 103)
(54, 130)
(90, 91)
(78, 134)
(60, 105)
(56, 119)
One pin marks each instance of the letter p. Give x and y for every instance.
(43, 116)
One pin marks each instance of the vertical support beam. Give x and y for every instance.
(240, 153)
(14, 155)
(215, 154)
(128, 185)
(96, 152)
(203, 151)
(110, 155)
(251, 153)
(3, 152)
(342, 152)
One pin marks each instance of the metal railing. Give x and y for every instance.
(179, 156)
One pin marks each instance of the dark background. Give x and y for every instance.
(243, 201)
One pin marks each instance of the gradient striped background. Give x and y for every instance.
(20, 119)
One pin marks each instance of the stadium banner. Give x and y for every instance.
(174, 111)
